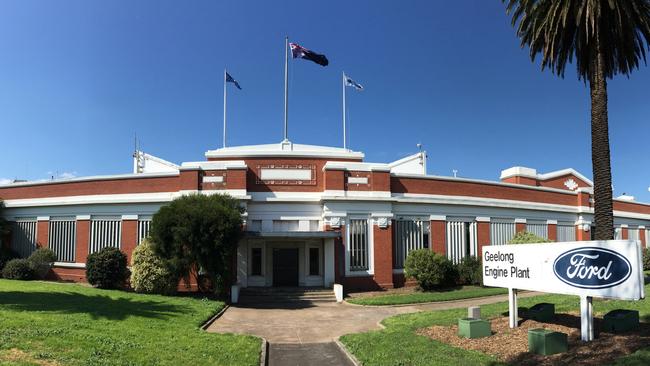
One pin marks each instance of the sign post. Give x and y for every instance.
(607, 269)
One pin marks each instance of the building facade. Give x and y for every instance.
(314, 215)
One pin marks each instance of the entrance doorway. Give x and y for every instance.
(285, 267)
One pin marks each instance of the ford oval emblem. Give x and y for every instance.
(592, 268)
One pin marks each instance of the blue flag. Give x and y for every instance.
(229, 79)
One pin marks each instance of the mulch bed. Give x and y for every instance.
(511, 345)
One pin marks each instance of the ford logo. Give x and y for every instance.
(592, 268)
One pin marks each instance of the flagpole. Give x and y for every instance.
(224, 107)
(286, 86)
(344, 125)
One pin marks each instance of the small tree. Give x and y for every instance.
(198, 231)
(430, 270)
(107, 268)
(524, 237)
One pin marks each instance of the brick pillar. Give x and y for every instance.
(42, 232)
(520, 226)
(83, 239)
(642, 237)
(383, 255)
(625, 233)
(483, 236)
(582, 235)
(129, 236)
(439, 236)
(552, 231)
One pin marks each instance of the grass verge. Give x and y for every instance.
(399, 345)
(465, 292)
(44, 323)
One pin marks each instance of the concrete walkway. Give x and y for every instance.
(322, 322)
(316, 354)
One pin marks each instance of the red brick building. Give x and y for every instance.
(314, 215)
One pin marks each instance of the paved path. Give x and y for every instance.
(316, 354)
(322, 322)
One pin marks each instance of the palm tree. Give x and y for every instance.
(606, 38)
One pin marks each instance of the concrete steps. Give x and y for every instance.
(274, 295)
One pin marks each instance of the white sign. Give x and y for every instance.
(609, 269)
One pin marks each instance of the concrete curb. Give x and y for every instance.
(347, 353)
(207, 324)
(264, 353)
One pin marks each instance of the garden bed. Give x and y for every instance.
(511, 345)
(410, 295)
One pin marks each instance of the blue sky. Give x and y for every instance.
(79, 78)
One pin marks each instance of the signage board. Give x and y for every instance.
(607, 269)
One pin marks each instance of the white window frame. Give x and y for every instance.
(633, 228)
(473, 239)
(62, 235)
(25, 220)
(540, 223)
(425, 221)
(370, 243)
(504, 221)
(566, 224)
(95, 247)
(143, 221)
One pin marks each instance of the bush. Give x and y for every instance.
(107, 268)
(524, 237)
(18, 269)
(470, 271)
(198, 231)
(150, 273)
(646, 259)
(6, 254)
(41, 260)
(429, 269)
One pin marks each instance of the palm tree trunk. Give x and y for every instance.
(600, 156)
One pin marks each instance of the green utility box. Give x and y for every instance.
(620, 320)
(543, 312)
(546, 342)
(474, 328)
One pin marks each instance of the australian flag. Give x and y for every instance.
(299, 51)
(229, 79)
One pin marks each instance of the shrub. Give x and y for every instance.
(646, 259)
(6, 254)
(429, 269)
(470, 271)
(107, 268)
(524, 237)
(150, 273)
(41, 260)
(18, 269)
(197, 231)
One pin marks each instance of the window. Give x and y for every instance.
(358, 245)
(285, 225)
(105, 232)
(63, 238)
(256, 261)
(539, 228)
(314, 262)
(408, 235)
(461, 239)
(143, 229)
(502, 231)
(633, 233)
(566, 231)
(255, 225)
(23, 239)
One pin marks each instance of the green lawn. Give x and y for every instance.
(399, 345)
(44, 323)
(466, 292)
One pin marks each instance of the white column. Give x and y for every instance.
(586, 319)
(512, 308)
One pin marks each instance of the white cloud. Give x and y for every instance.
(648, 189)
(5, 181)
(67, 175)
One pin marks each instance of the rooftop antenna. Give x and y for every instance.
(455, 171)
(419, 145)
